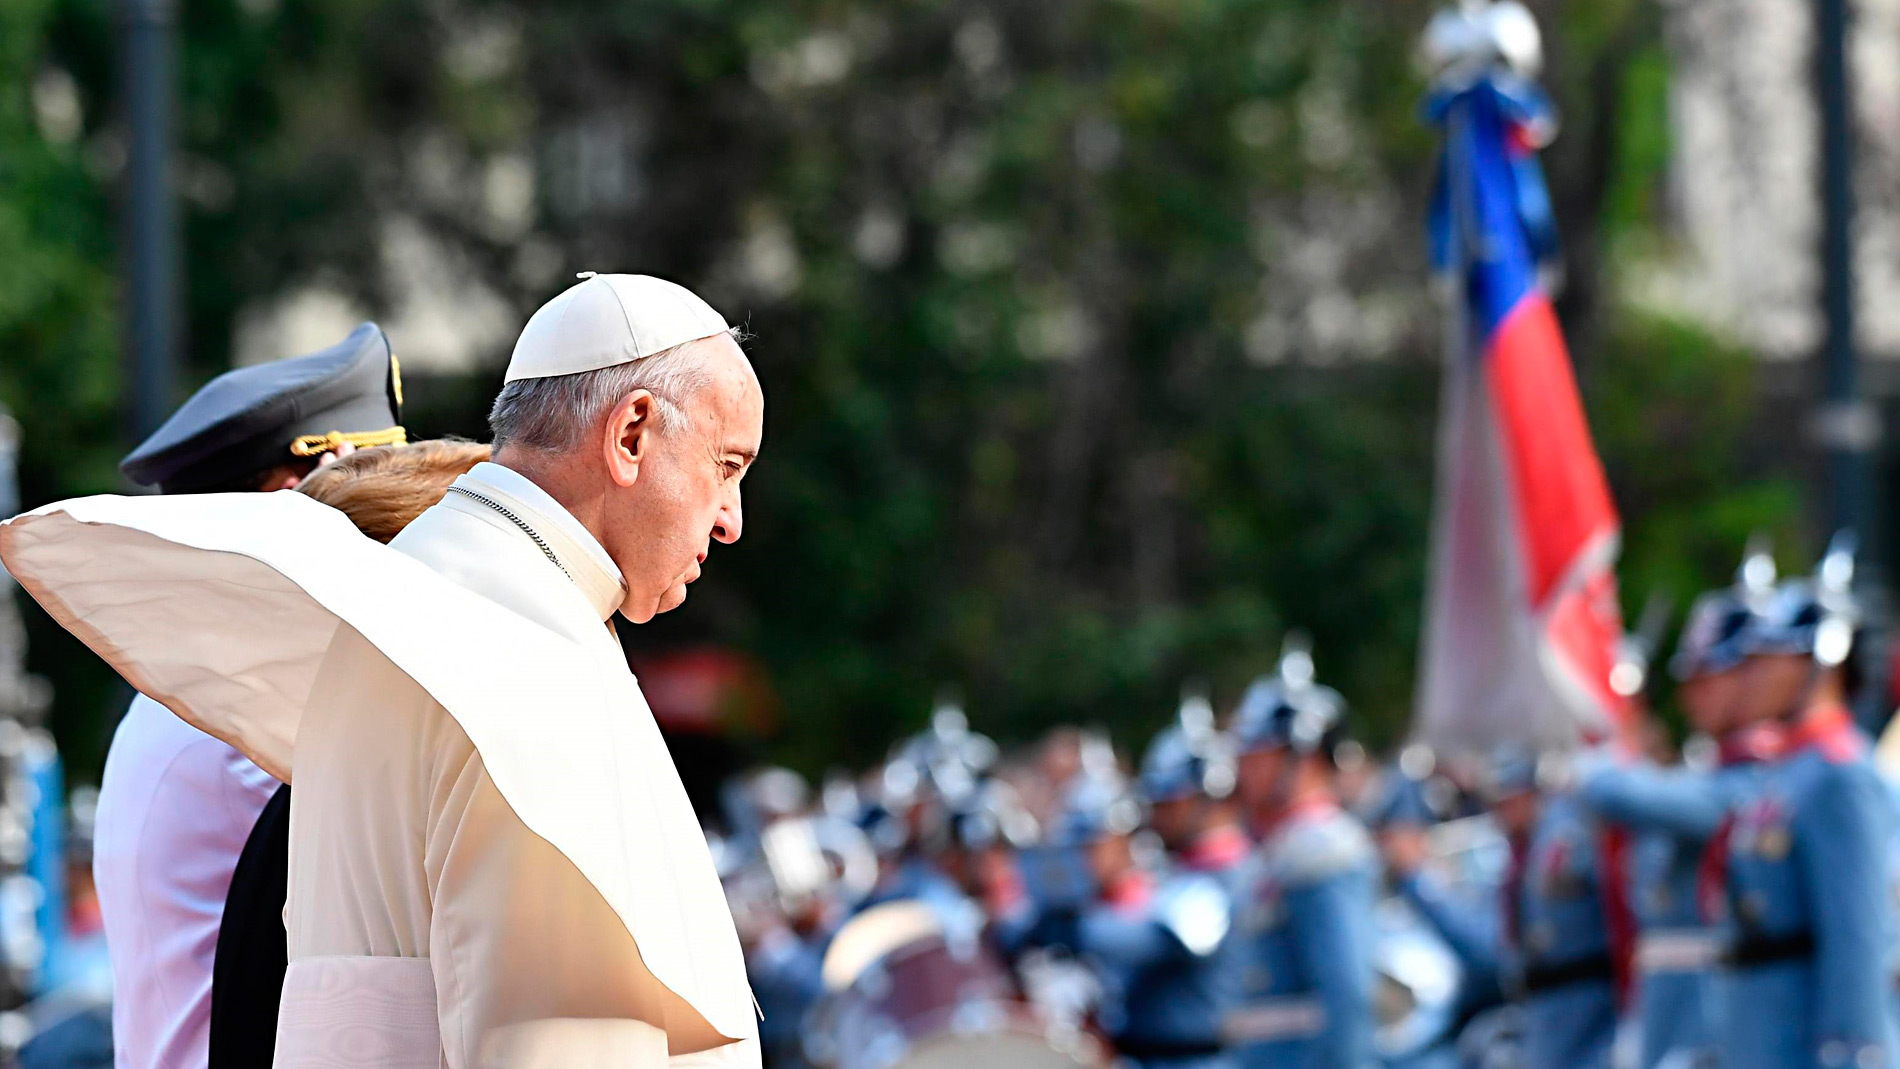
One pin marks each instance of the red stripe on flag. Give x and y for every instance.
(1582, 627)
(1563, 499)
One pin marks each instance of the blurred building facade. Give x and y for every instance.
(1745, 175)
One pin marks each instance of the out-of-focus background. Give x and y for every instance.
(1097, 336)
(1101, 351)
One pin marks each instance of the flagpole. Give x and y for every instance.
(149, 225)
(1846, 425)
(1450, 285)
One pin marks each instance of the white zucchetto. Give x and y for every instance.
(610, 319)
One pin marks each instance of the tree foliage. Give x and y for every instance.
(1095, 333)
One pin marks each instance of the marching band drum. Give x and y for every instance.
(907, 988)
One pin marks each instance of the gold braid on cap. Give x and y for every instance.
(315, 445)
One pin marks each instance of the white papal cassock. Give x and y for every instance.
(492, 860)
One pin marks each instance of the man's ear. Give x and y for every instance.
(626, 437)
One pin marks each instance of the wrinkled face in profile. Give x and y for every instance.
(686, 493)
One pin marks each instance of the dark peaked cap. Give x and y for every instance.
(246, 421)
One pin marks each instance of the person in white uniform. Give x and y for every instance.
(175, 804)
(492, 859)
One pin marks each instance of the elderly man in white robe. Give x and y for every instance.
(492, 861)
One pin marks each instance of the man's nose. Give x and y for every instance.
(729, 522)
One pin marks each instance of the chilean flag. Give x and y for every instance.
(1521, 622)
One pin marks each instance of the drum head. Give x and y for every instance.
(1013, 1048)
(873, 935)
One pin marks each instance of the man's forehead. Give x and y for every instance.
(741, 436)
(731, 372)
(736, 413)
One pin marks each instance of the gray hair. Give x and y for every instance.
(554, 414)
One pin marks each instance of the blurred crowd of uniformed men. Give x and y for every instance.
(1256, 892)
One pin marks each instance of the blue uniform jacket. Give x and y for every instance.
(1558, 904)
(1672, 813)
(1305, 946)
(786, 974)
(1468, 923)
(1810, 917)
(1167, 965)
(1563, 939)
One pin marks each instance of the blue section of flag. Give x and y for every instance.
(1491, 219)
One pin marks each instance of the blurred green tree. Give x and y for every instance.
(58, 332)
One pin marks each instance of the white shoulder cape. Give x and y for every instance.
(222, 606)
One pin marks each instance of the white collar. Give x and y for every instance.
(579, 552)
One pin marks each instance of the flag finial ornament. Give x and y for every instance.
(1477, 35)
